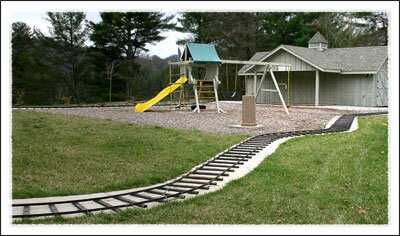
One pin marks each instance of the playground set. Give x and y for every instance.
(204, 57)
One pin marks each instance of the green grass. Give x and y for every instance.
(63, 155)
(325, 179)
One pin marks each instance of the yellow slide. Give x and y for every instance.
(141, 107)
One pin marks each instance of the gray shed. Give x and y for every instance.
(320, 75)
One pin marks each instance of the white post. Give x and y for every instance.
(216, 95)
(215, 83)
(197, 109)
(279, 91)
(317, 88)
(192, 80)
(262, 79)
(190, 76)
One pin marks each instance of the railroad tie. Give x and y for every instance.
(81, 209)
(53, 209)
(131, 202)
(106, 204)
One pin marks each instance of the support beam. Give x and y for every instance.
(258, 63)
(262, 79)
(180, 63)
(215, 83)
(269, 90)
(279, 91)
(197, 109)
(316, 88)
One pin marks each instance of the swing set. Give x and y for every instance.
(205, 56)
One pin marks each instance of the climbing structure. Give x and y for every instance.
(205, 56)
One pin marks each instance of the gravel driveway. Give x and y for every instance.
(272, 118)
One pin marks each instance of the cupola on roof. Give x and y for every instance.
(318, 38)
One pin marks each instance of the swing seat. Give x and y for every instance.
(231, 94)
(202, 107)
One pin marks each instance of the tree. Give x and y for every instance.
(21, 44)
(196, 23)
(291, 28)
(111, 58)
(128, 33)
(234, 33)
(238, 35)
(374, 28)
(353, 29)
(153, 76)
(67, 50)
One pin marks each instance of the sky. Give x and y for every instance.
(163, 49)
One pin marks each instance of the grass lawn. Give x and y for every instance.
(326, 179)
(63, 155)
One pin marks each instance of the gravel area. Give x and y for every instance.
(272, 118)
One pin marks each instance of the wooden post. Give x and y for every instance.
(245, 84)
(255, 84)
(316, 88)
(170, 83)
(186, 58)
(248, 110)
(288, 89)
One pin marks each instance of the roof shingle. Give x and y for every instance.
(350, 60)
(356, 59)
(318, 38)
(256, 57)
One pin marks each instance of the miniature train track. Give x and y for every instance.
(200, 178)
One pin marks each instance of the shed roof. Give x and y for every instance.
(339, 60)
(318, 38)
(256, 57)
(202, 53)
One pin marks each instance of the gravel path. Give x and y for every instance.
(272, 118)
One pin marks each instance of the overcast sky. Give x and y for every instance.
(163, 49)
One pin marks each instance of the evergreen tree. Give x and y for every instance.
(128, 33)
(21, 43)
(67, 51)
(353, 29)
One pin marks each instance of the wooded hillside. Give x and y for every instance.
(87, 62)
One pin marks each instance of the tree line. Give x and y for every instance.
(86, 62)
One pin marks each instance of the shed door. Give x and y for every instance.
(382, 89)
